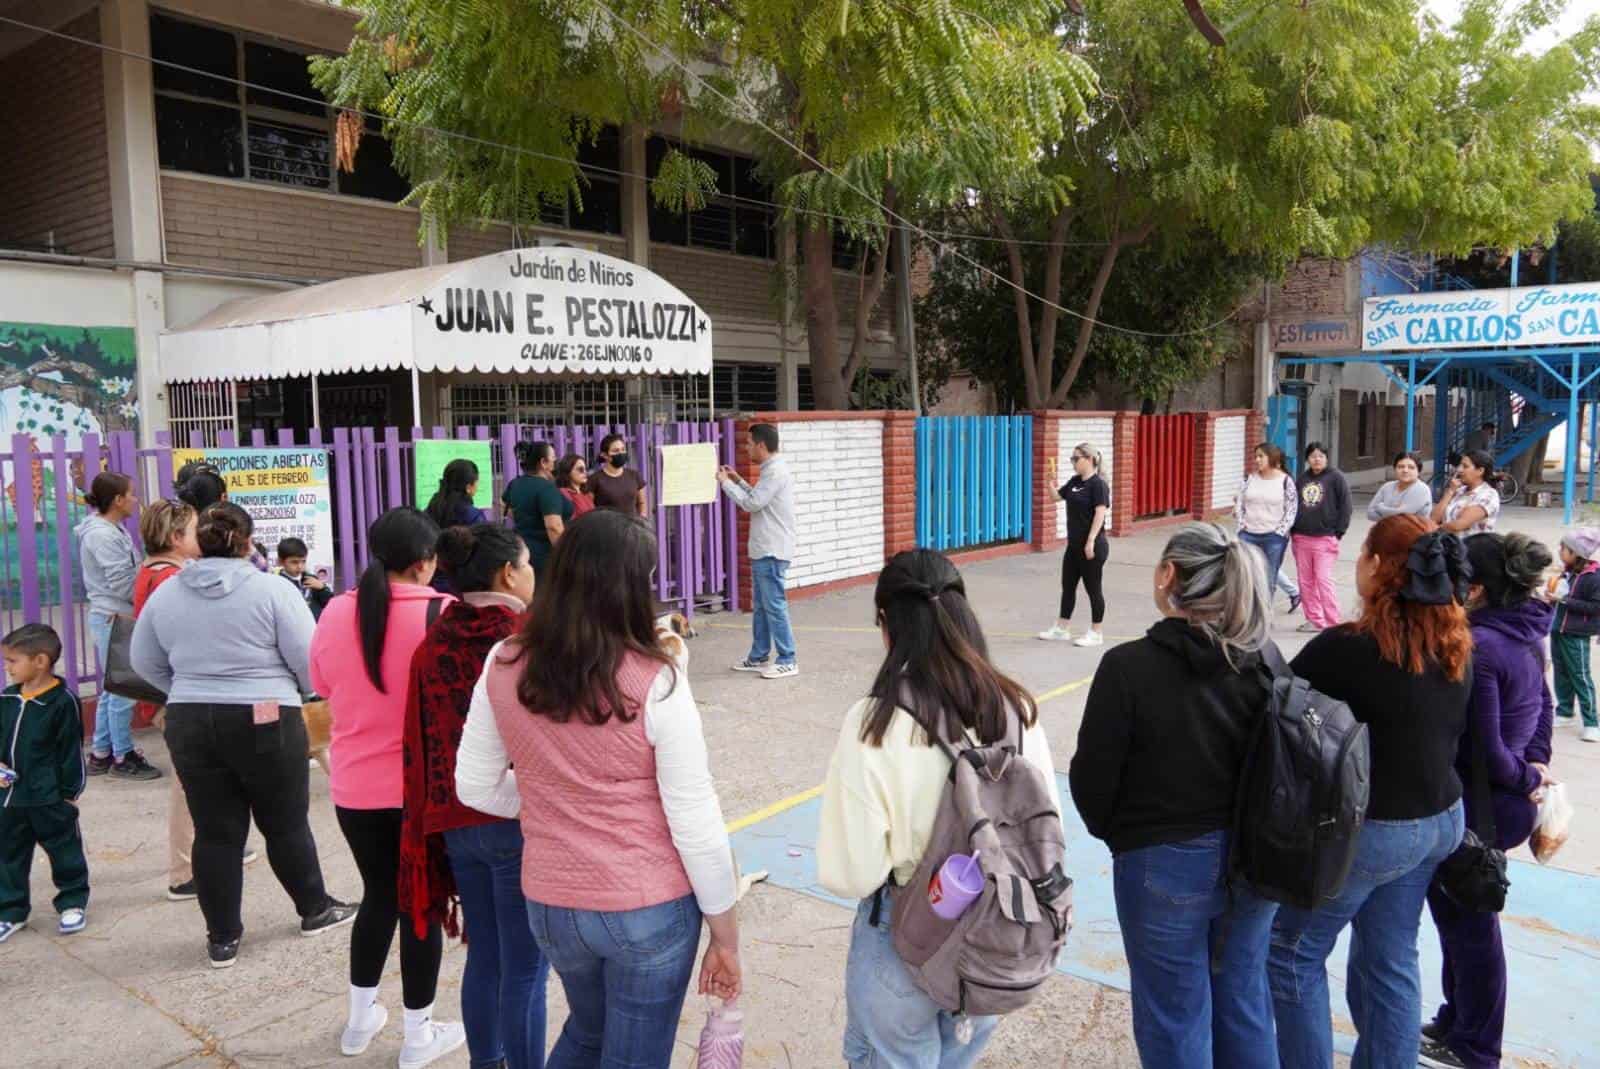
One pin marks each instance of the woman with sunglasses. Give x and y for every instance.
(1088, 501)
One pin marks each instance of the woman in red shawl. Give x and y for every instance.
(450, 854)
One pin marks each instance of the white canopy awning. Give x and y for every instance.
(550, 309)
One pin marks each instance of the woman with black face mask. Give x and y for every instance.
(615, 485)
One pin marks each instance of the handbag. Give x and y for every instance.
(1474, 877)
(117, 674)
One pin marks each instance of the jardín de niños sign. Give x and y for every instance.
(562, 309)
(1469, 319)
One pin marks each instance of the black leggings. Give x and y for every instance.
(1075, 566)
(374, 838)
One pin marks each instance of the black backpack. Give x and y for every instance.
(1303, 792)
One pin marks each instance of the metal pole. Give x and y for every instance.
(416, 397)
(316, 401)
(1594, 436)
(1411, 404)
(1569, 478)
(908, 319)
(1516, 258)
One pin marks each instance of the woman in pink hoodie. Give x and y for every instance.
(361, 662)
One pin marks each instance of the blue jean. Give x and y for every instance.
(889, 1022)
(1197, 957)
(625, 974)
(113, 714)
(502, 986)
(770, 620)
(1382, 901)
(1272, 546)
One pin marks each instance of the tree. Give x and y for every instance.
(878, 106)
(1318, 129)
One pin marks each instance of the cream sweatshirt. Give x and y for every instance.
(879, 802)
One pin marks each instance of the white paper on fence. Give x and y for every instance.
(550, 310)
(689, 474)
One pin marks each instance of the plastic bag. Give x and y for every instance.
(1552, 825)
(722, 1039)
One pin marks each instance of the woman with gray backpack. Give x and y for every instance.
(1169, 725)
(940, 813)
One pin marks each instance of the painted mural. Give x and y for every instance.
(70, 381)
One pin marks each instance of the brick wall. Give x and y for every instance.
(1122, 478)
(1314, 286)
(250, 227)
(899, 482)
(720, 283)
(55, 174)
(1231, 459)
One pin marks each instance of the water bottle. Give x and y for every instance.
(722, 1039)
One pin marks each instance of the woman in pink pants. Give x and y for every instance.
(1322, 519)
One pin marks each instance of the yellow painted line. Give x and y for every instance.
(805, 796)
(827, 628)
(774, 809)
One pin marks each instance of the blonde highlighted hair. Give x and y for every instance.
(160, 523)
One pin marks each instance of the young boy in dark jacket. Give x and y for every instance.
(1577, 620)
(41, 776)
(292, 553)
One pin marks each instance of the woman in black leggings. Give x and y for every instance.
(1088, 501)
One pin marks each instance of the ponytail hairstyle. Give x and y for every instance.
(225, 531)
(1221, 588)
(473, 556)
(160, 523)
(937, 668)
(531, 454)
(452, 499)
(1410, 633)
(106, 488)
(200, 485)
(1509, 567)
(397, 540)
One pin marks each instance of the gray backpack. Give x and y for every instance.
(994, 957)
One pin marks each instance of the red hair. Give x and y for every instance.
(1410, 634)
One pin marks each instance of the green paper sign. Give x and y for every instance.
(433, 455)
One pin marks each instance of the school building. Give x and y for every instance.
(138, 198)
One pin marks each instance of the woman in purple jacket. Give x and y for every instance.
(1511, 715)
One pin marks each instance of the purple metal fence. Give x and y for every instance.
(42, 487)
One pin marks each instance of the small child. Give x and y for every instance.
(292, 555)
(1577, 620)
(41, 777)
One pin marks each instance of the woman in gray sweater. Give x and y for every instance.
(1405, 495)
(231, 647)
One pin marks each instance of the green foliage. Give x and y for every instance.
(967, 324)
(1578, 250)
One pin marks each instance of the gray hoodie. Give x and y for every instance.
(110, 563)
(225, 633)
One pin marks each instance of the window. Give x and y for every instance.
(746, 387)
(740, 219)
(208, 122)
(601, 209)
(1367, 413)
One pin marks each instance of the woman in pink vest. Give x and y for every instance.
(361, 662)
(624, 846)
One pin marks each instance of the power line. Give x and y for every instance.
(940, 238)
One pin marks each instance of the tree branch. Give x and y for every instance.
(867, 297)
(1050, 313)
(1108, 262)
(1019, 299)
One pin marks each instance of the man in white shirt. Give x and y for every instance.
(770, 503)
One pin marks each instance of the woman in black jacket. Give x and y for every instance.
(1320, 522)
(1159, 755)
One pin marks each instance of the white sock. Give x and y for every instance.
(362, 1003)
(419, 1025)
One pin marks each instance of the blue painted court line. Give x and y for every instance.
(1551, 930)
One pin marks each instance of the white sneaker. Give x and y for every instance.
(10, 928)
(1590, 735)
(356, 1040)
(747, 665)
(447, 1036)
(781, 671)
(72, 922)
(1056, 633)
(1090, 638)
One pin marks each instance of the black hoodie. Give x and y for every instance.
(1163, 739)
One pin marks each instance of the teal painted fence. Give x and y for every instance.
(974, 480)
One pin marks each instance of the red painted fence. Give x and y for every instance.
(1164, 465)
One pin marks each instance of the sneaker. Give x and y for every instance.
(223, 954)
(251, 857)
(133, 766)
(182, 892)
(72, 921)
(781, 671)
(354, 1041)
(1308, 628)
(747, 665)
(447, 1036)
(95, 765)
(1434, 1030)
(1090, 638)
(1590, 735)
(336, 914)
(1294, 602)
(10, 928)
(1436, 1054)
(1056, 633)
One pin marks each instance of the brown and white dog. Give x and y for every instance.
(319, 731)
(675, 629)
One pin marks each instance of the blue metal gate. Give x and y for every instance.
(974, 480)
